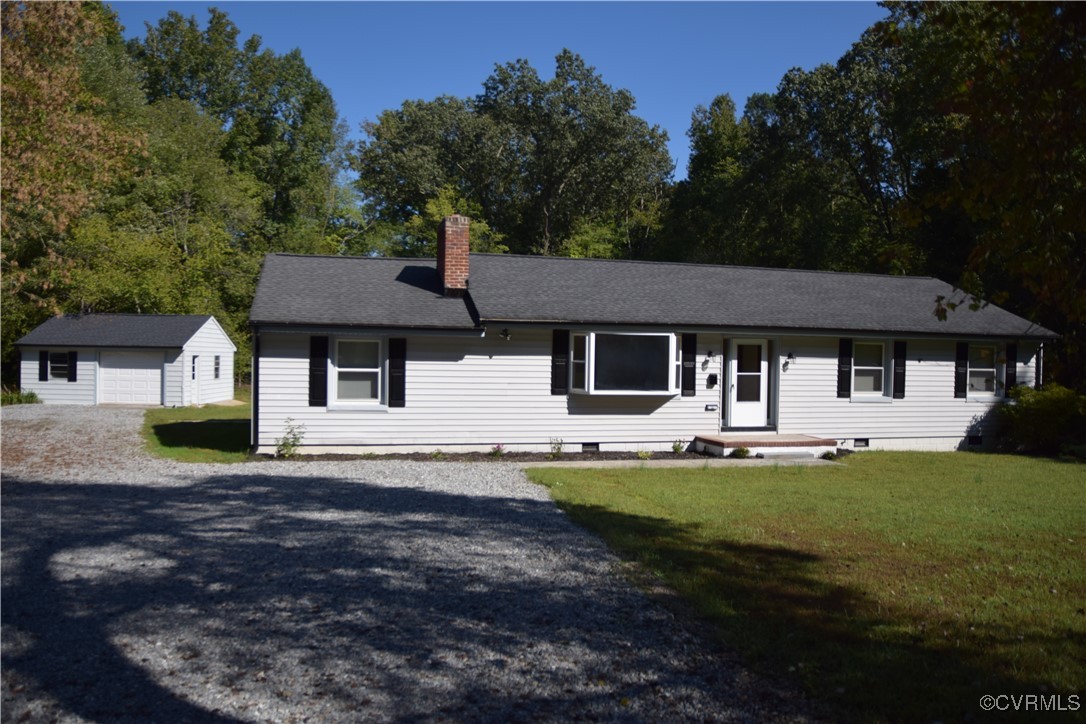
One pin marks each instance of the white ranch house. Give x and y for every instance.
(470, 351)
(135, 359)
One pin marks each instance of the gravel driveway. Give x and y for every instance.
(136, 589)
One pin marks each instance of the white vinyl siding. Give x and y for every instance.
(928, 417)
(174, 378)
(208, 342)
(61, 391)
(470, 391)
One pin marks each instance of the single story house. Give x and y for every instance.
(475, 350)
(174, 360)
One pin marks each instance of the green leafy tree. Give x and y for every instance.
(281, 123)
(1007, 80)
(538, 158)
(64, 138)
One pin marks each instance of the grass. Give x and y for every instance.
(896, 587)
(209, 434)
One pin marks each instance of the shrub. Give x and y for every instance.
(678, 446)
(644, 454)
(18, 397)
(740, 452)
(556, 448)
(1044, 421)
(287, 446)
(497, 451)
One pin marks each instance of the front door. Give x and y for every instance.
(748, 379)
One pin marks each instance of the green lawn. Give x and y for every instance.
(209, 434)
(897, 587)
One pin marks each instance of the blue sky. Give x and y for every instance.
(671, 56)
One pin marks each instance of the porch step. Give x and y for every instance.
(765, 445)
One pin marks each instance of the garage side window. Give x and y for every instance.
(218, 366)
(58, 365)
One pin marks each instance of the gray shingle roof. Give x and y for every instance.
(505, 288)
(356, 291)
(116, 330)
(595, 291)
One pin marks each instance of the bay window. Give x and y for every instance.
(603, 363)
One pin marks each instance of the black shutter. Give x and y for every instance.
(318, 371)
(899, 370)
(43, 366)
(844, 367)
(961, 369)
(689, 355)
(397, 372)
(560, 362)
(73, 360)
(1010, 378)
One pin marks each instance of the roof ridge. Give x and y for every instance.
(707, 266)
(350, 256)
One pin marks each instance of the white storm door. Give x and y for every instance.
(131, 377)
(748, 383)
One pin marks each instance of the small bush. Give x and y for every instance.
(828, 455)
(678, 446)
(1044, 421)
(287, 446)
(497, 451)
(740, 453)
(437, 455)
(644, 454)
(556, 448)
(18, 397)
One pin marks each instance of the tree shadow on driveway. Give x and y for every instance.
(245, 596)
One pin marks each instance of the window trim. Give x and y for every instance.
(969, 369)
(674, 372)
(381, 401)
(885, 368)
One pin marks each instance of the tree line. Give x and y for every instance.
(153, 175)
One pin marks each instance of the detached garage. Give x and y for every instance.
(135, 359)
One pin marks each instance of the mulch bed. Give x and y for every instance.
(484, 457)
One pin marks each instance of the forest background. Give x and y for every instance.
(153, 175)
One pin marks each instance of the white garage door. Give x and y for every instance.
(132, 377)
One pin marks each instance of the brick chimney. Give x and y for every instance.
(452, 255)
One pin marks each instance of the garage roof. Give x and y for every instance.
(116, 330)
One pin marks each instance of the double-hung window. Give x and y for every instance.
(357, 370)
(982, 369)
(58, 365)
(869, 368)
(603, 363)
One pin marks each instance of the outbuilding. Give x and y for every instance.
(174, 360)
